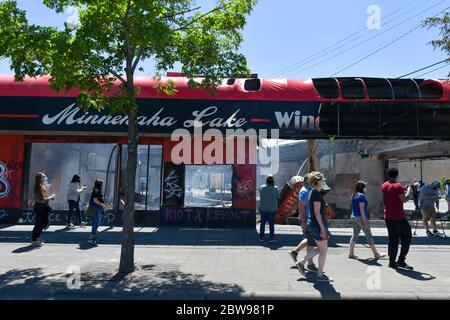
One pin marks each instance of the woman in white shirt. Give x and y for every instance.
(73, 198)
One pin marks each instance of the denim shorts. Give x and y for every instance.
(308, 236)
(314, 230)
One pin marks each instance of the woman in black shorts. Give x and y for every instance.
(317, 226)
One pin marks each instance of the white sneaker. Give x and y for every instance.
(36, 243)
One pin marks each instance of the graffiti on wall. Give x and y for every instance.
(3, 215)
(210, 217)
(11, 167)
(173, 185)
(61, 218)
(244, 189)
(244, 186)
(4, 183)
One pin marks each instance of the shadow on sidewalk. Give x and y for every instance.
(104, 282)
(25, 249)
(178, 236)
(370, 261)
(327, 291)
(416, 275)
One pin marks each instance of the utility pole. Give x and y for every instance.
(312, 155)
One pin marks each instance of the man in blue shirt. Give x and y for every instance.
(429, 196)
(303, 209)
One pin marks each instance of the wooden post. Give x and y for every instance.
(312, 155)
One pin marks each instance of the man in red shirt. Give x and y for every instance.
(398, 227)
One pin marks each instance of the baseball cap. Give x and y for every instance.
(436, 183)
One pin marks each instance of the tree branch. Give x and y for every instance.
(179, 13)
(137, 59)
(128, 54)
(118, 76)
(201, 17)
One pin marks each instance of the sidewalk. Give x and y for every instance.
(184, 263)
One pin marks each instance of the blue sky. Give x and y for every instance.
(280, 34)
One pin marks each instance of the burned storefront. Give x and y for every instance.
(197, 151)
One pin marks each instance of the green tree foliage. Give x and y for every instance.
(113, 38)
(443, 23)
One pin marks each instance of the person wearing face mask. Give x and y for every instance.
(317, 227)
(360, 220)
(41, 207)
(429, 196)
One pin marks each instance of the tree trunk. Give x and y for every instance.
(311, 154)
(127, 253)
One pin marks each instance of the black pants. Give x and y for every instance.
(74, 205)
(398, 229)
(416, 202)
(41, 219)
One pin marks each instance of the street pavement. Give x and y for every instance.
(199, 264)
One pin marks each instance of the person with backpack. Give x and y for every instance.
(317, 227)
(308, 242)
(97, 206)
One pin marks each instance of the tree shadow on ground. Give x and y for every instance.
(147, 282)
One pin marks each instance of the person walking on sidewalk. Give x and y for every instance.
(394, 215)
(416, 193)
(317, 226)
(308, 242)
(73, 198)
(98, 203)
(41, 207)
(268, 205)
(360, 215)
(429, 196)
(447, 196)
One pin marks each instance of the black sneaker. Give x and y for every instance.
(272, 240)
(393, 265)
(261, 238)
(301, 268)
(404, 266)
(92, 241)
(293, 255)
(429, 233)
(312, 268)
(436, 233)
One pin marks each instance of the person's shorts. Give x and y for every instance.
(315, 233)
(428, 213)
(308, 236)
